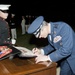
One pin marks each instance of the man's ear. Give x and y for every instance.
(44, 22)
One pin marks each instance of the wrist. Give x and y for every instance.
(40, 52)
(49, 59)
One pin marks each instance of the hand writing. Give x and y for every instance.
(40, 58)
(36, 51)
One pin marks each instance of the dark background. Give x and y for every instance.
(51, 10)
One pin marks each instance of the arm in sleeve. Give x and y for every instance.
(47, 49)
(42, 52)
(67, 44)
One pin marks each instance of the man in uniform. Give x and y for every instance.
(4, 28)
(61, 45)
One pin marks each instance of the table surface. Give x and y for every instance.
(20, 66)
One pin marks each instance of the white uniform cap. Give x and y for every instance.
(4, 7)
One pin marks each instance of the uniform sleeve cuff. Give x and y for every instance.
(49, 59)
(42, 51)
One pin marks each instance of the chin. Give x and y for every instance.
(5, 17)
(44, 37)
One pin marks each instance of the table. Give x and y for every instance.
(25, 66)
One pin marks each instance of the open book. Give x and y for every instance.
(25, 52)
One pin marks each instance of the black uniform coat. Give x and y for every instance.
(4, 32)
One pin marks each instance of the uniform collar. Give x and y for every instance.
(52, 27)
(49, 28)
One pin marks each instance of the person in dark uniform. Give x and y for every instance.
(4, 28)
(61, 45)
(12, 25)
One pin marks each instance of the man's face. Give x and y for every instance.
(43, 33)
(4, 14)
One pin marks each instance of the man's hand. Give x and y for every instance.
(47, 63)
(36, 51)
(40, 58)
